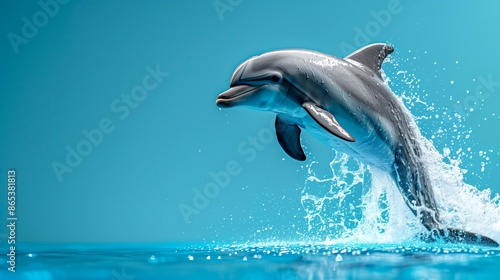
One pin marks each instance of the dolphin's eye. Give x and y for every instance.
(275, 78)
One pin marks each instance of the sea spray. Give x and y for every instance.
(332, 201)
(337, 212)
(461, 205)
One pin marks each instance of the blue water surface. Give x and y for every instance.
(184, 261)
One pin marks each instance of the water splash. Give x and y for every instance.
(462, 205)
(324, 199)
(336, 213)
(355, 204)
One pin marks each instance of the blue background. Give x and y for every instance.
(129, 188)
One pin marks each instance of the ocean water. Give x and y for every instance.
(264, 261)
(112, 133)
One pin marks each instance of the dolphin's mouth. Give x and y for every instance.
(234, 93)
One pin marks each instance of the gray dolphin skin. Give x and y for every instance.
(345, 104)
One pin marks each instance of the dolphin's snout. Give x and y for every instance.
(227, 98)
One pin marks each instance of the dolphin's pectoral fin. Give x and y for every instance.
(289, 138)
(372, 56)
(327, 121)
(451, 235)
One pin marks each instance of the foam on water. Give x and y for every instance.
(337, 213)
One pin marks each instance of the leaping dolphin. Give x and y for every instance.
(345, 104)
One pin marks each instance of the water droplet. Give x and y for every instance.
(338, 258)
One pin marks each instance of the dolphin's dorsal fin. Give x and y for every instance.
(372, 56)
(289, 138)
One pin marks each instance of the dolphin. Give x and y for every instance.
(345, 104)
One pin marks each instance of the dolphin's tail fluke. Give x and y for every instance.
(451, 235)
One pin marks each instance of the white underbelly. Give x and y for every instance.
(368, 148)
